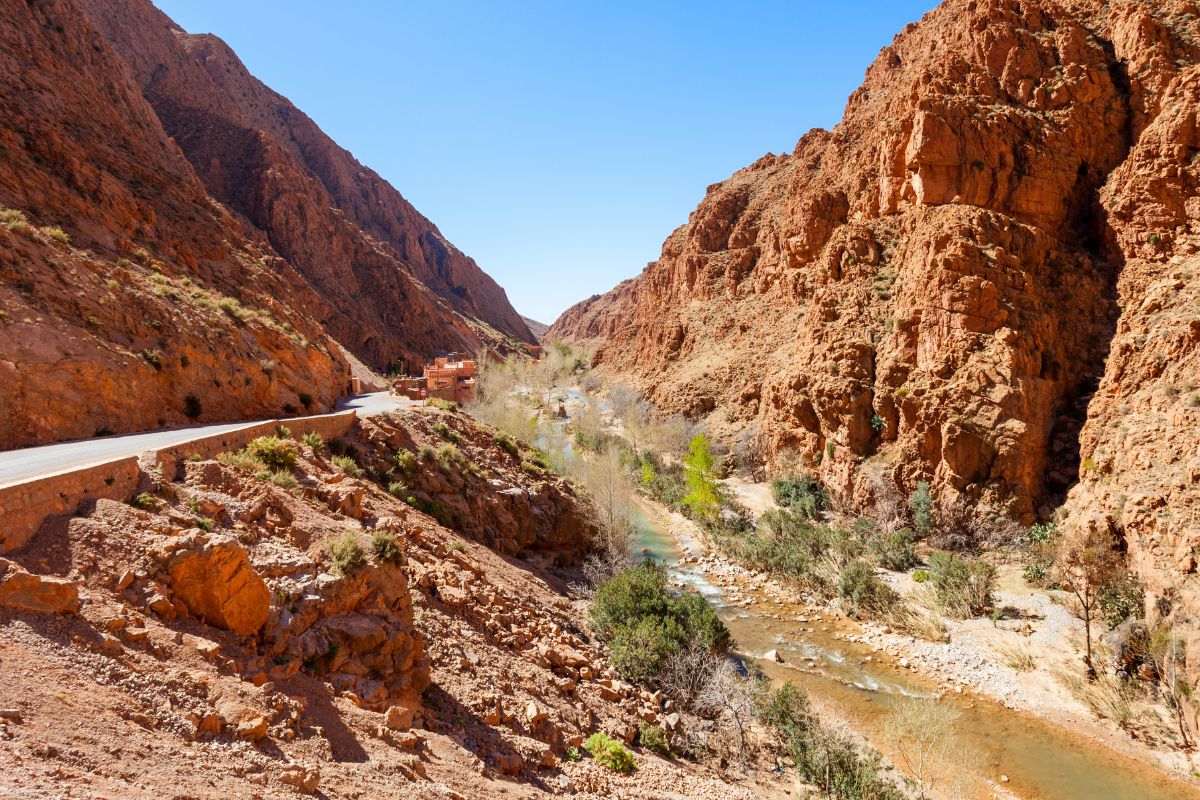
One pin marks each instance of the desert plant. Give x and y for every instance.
(1120, 598)
(347, 465)
(703, 498)
(448, 455)
(610, 753)
(314, 440)
(145, 501)
(426, 453)
(56, 233)
(347, 554)
(920, 575)
(963, 585)
(862, 593)
(397, 489)
(802, 494)
(894, 551)
(921, 504)
(506, 443)
(275, 452)
(457, 546)
(406, 463)
(283, 478)
(386, 549)
(1086, 561)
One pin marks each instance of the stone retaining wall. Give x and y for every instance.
(26, 504)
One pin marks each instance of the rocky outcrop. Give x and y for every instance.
(217, 583)
(929, 291)
(47, 593)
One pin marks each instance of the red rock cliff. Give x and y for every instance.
(984, 276)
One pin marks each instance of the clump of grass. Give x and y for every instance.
(426, 453)
(457, 546)
(446, 432)
(386, 548)
(1018, 657)
(205, 524)
(347, 465)
(242, 460)
(610, 753)
(313, 440)
(445, 405)
(397, 489)
(347, 554)
(448, 455)
(56, 233)
(283, 479)
(12, 219)
(506, 443)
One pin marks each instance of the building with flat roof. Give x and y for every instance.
(450, 377)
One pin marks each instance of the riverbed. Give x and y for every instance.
(993, 752)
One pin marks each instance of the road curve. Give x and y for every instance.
(34, 462)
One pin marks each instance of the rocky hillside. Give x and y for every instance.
(260, 629)
(984, 276)
(177, 242)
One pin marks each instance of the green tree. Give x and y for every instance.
(921, 502)
(703, 498)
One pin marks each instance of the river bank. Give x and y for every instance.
(1016, 735)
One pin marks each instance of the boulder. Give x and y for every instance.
(217, 583)
(24, 590)
(300, 777)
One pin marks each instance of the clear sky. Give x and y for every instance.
(558, 143)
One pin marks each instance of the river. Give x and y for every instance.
(1041, 759)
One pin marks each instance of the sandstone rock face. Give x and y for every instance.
(23, 590)
(354, 238)
(213, 241)
(930, 290)
(215, 580)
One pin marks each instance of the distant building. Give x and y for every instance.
(451, 377)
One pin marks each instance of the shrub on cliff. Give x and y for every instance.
(963, 585)
(347, 554)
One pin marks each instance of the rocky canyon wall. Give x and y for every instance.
(985, 276)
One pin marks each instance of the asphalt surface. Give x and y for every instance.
(33, 462)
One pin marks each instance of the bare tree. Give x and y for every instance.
(729, 696)
(1086, 560)
(686, 672)
(921, 731)
(1167, 653)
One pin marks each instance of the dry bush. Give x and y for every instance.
(922, 732)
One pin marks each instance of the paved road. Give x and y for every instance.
(31, 462)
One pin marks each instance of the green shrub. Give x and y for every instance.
(347, 554)
(426, 453)
(610, 753)
(386, 548)
(275, 452)
(703, 498)
(921, 504)
(645, 623)
(284, 432)
(573, 754)
(446, 432)
(347, 465)
(448, 455)
(831, 761)
(895, 551)
(1120, 599)
(145, 501)
(397, 489)
(406, 462)
(532, 468)
(801, 494)
(652, 738)
(862, 593)
(920, 575)
(313, 440)
(457, 546)
(963, 585)
(205, 524)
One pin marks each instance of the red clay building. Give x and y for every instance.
(449, 378)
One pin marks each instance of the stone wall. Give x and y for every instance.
(170, 459)
(25, 504)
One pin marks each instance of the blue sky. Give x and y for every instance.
(558, 143)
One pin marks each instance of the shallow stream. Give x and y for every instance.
(1042, 760)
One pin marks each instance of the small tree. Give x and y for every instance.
(922, 732)
(1085, 562)
(728, 695)
(1168, 654)
(703, 497)
(921, 503)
